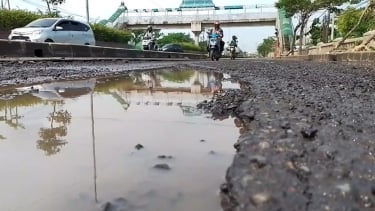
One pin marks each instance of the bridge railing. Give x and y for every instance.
(184, 19)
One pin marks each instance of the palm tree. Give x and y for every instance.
(52, 138)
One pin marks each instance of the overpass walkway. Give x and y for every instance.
(199, 14)
(235, 15)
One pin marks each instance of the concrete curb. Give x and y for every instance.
(363, 56)
(28, 49)
(78, 59)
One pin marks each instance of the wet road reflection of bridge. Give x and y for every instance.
(159, 89)
(55, 115)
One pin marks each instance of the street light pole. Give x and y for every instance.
(333, 27)
(5, 4)
(87, 12)
(93, 143)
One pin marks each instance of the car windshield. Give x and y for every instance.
(42, 23)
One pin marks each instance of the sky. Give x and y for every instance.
(249, 37)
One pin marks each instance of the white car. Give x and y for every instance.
(56, 30)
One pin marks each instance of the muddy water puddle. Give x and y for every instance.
(95, 144)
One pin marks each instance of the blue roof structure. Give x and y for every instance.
(197, 4)
(233, 7)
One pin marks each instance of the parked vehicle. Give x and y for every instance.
(172, 48)
(149, 43)
(214, 46)
(58, 30)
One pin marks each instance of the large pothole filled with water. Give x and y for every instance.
(135, 142)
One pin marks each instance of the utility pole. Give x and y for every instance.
(87, 11)
(333, 27)
(5, 4)
(327, 34)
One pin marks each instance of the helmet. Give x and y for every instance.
(234, 37)
(217, 24)
(149, 28)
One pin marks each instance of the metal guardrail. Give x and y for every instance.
(216, 8)
(187, 19)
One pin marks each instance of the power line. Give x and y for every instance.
(35, 4)
(66, 12)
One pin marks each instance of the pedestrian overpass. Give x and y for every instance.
(198, 15)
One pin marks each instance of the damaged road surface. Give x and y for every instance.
(307, 129)
(310, 139)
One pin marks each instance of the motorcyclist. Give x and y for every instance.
(217, 30)
(149, 33)
(234, 41)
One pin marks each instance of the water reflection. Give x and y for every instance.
(10, 115)
(164, 88)
(51, 139)
(9, 106)
(141, 95)
(177, 88)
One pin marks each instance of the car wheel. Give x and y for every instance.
(48, 40)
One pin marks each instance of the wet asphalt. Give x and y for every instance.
(307, 129)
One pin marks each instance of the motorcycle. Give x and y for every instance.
(214, 46)
(232, 51)
(148, 43)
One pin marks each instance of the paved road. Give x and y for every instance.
(310, 140)
(27, 71)
(308, 129)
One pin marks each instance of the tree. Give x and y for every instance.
(51, 139)
(177, 76)
(303, 9)
(315, 31)
(203, 44)
(175, 38)
(158, 33)
(266, 47)
(325, 29)
(370, 11)
(349, 18)
(137, 36)
(53, 2)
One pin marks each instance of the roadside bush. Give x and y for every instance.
(190, 46)
(10, 19)
(186, 42)
(349, 18)
(106, 34)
